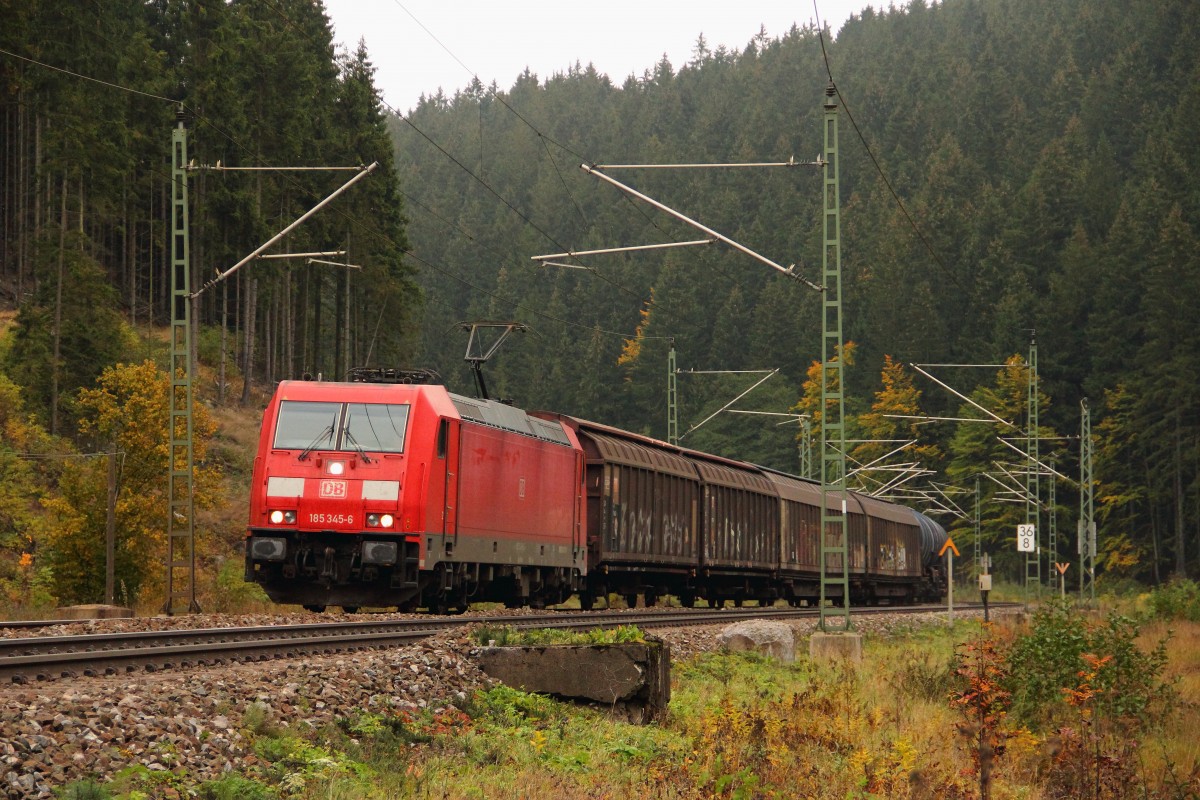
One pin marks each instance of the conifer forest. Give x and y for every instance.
(1020, 248)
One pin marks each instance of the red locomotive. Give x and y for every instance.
(386, 492)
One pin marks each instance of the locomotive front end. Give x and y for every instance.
(330, 520)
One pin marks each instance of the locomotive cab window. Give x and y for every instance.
(306, 424)
(375, 427)
(368, 427)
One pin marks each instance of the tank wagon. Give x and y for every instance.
(386, 493)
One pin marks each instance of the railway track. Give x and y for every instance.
(40, 658)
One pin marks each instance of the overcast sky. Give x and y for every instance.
(417, 45)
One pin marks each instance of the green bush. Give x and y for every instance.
(1177, 600)
(924, 676)
(232, 592)
(234, 787)
(208, 350)
(1048, 661)
(84, 790)
(1044, 661)
(508, 706)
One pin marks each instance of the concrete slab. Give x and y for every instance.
(633, 677)
(825, 646)
(94, 611)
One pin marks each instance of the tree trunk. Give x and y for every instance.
(248, 335)
(307, 366)
(315, 282)
(224, 343)
(1180, 538)
(270, 312)
(289, 330)
(55, 364)
(339, 335)
(128, 246)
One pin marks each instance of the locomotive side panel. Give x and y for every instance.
(517, 500)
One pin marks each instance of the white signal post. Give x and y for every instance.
(949, 551)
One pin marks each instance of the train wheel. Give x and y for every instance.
(631, 600)
(651, 599)
(315, 608)
(737, 602)
(687, 600)
(349, 609)
(586, 602)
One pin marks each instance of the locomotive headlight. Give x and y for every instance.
(276, 517)
(337, 467)
(386, 520)
(289, 517)
(373, 520)
(283, 517)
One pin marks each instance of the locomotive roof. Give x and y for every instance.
(485, 412)
(509, 418)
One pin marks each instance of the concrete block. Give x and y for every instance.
(824, 646)
(634, 679)
(94, 611)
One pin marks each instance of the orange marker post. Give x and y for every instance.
(950, 551)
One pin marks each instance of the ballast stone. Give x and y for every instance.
(774, 639)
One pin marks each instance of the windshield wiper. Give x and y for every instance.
(354, 443)
(321, 437)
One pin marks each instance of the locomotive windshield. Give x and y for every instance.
(356, 427)
(375, 427)
(306, 424)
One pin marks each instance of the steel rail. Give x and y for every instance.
(49, 657)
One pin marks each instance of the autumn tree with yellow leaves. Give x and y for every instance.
(29, 462)
(127, 414)
(893, 416)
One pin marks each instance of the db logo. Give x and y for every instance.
(335, 489)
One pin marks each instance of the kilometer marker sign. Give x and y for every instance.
(1026, 538)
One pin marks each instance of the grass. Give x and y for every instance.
(1063, 702)
(506, 636)
(905, 723)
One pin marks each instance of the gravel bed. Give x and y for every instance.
(195, 721)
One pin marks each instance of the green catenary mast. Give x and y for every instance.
(181, 530)
(835, 565)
